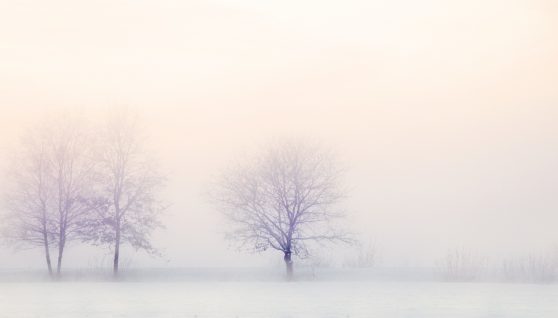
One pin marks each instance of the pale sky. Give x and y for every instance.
(444, 112)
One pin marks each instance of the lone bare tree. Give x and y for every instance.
(126, 205)
(50, 179)
(284, 199)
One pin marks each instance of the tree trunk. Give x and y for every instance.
(47, 253)
(45, 239)
(116, 249)
(289, 265)
(60, 253)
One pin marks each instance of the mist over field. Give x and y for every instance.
(420, 139)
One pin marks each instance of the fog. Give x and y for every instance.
(443, 112)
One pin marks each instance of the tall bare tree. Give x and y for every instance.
(73, 172)
(28, 200)
(284, 199)
(127, 206)
(51, 177)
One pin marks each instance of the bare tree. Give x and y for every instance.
(73, 172)
(51, 177)
(126, 205)
(283, 200)
(29, 218)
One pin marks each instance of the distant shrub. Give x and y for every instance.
(366, 256)
(541, 268)
(461, 265)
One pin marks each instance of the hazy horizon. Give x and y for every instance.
(443, 112)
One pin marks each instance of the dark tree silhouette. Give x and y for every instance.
(284, 199)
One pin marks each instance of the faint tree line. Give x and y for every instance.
(537, 268)
(72, 182)
(463, 265)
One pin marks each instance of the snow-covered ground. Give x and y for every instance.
(276, 299)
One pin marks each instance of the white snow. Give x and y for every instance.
(276, 299)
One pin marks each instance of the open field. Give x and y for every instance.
(274, 298)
